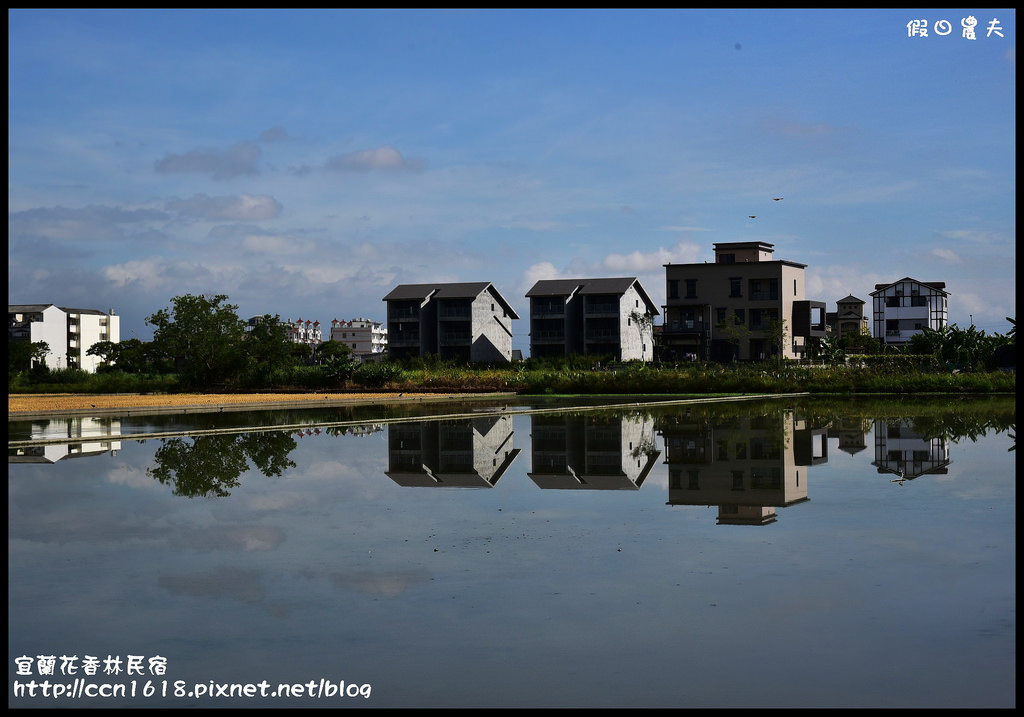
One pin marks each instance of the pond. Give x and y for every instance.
(772, 553)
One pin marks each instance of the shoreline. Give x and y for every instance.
(29, 406)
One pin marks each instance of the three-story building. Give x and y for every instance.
(745, 306)
(596, 317)
(469, 322)
(907, 307)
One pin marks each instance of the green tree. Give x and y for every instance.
(733, 330)
(203, 336)
(337, 362)
(267, 350)
(22, 355)
(776, 331)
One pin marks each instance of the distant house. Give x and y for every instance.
(367, 339)
(299, 332)
(69, 332)
(304, 332)
(849, 319)
(596, 317)
(745, 306)
(907, 307)
(469, 322)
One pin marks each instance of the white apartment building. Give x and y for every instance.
(304, 332)
(69, 332)
(367, 339)
(906, 307)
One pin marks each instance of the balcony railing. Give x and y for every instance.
(548, 335)
(400, 314)
(449, 338)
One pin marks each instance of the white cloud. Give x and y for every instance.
(146, 272)
(637, 262)
(382, 158)
(269, 244)
(946, 255)
(239, 207)
(242, 158)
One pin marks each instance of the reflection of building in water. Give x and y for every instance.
(748, 466)
(851, 434)
(473, 453)
(903, 450)
(592, 451)
(85, 437)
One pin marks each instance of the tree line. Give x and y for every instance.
(203, 342)
(200, 342)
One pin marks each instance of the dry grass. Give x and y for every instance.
(43, 403)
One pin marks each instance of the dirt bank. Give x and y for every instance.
(34, 404)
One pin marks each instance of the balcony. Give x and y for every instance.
(547, 309)
(404, 340)
(456, 338)
(602, 308)
(550, 337)
(403, 314)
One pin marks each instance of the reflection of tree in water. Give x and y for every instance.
(211, 465)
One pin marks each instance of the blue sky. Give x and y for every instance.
(306, 162)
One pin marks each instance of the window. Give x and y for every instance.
(737, 480)
(673, 288)
(691, 288)
(734, 287)
(693, 480)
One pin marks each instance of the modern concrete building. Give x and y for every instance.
(465, 321)
(748, 467)
(593, 317)
(745, 306)
(907, 307)
(471, 453)
(592, 451)
(367, 339)
(69, 332)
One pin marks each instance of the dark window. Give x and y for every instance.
(691, 288)
(673, 288)
(734, 287)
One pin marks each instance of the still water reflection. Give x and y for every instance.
(785, 553)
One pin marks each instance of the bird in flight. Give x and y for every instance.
(777, 199)
(753, 216)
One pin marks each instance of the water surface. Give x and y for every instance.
(756, 554)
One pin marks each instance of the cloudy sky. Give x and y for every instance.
(306, 162)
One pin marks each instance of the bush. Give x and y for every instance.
(377, 375)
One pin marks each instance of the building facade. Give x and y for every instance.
(69, 332)
(469, 322)
(367, 339)
(849, 319)
(595, 317)
(304, 332)
(907, 307)
(745, 306)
